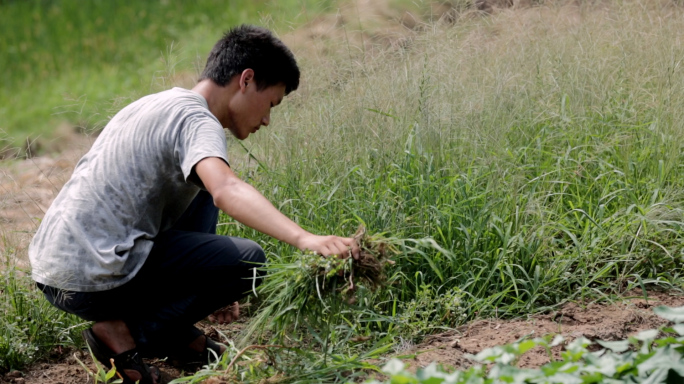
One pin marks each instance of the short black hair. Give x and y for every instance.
(249, 46)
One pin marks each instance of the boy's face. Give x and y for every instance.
(250, 108)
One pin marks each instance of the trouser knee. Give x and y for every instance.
(237, 277)
(252, 252)
(254, 264)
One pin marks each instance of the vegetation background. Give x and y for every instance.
(515, 160)
(70, 62)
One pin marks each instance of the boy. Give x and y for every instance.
(130, 242)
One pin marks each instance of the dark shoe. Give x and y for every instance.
(130, 359)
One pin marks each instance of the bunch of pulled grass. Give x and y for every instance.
(307, 296)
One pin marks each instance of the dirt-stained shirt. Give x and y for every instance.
(135, 182)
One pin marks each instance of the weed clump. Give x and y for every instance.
(347, 274)
(312, 290)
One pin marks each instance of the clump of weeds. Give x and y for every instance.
(302, 320)
(312, 292)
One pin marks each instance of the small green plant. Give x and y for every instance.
(653, 356)
(101, 374)
(431, 310)
(280, 364)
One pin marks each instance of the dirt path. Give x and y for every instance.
(28, 187)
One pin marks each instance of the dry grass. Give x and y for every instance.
(467, 84)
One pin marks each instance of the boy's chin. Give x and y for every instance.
(238, 135)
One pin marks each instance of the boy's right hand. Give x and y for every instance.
(330, 245)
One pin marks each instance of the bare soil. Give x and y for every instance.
(595, 321)
(63, 367)
(27, 188)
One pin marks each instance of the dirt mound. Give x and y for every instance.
(594, 321)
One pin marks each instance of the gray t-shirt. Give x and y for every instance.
(135, 182)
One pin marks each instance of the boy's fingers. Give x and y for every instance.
(342, 247)
(356, 250)
(352, 248)
(225, 315)
(339, 248)
(349, 248)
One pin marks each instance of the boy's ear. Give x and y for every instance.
(246, 78)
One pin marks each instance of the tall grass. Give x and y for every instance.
(534, 157)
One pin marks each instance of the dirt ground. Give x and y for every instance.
(596, 321)
(63, 367)
(611, 322)
(27, 188)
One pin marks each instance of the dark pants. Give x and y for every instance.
(190, 273)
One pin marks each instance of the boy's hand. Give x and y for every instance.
(330, 245)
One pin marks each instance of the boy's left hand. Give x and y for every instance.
(226, 315)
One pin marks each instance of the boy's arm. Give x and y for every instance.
(245, 204)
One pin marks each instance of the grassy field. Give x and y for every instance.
(540, 149)
(514, 161)
(518, 161)
(67, 61)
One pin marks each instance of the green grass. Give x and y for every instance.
(66, 61)
(30, 328)
(519, 161)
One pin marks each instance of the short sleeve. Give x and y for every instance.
(200, 136)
